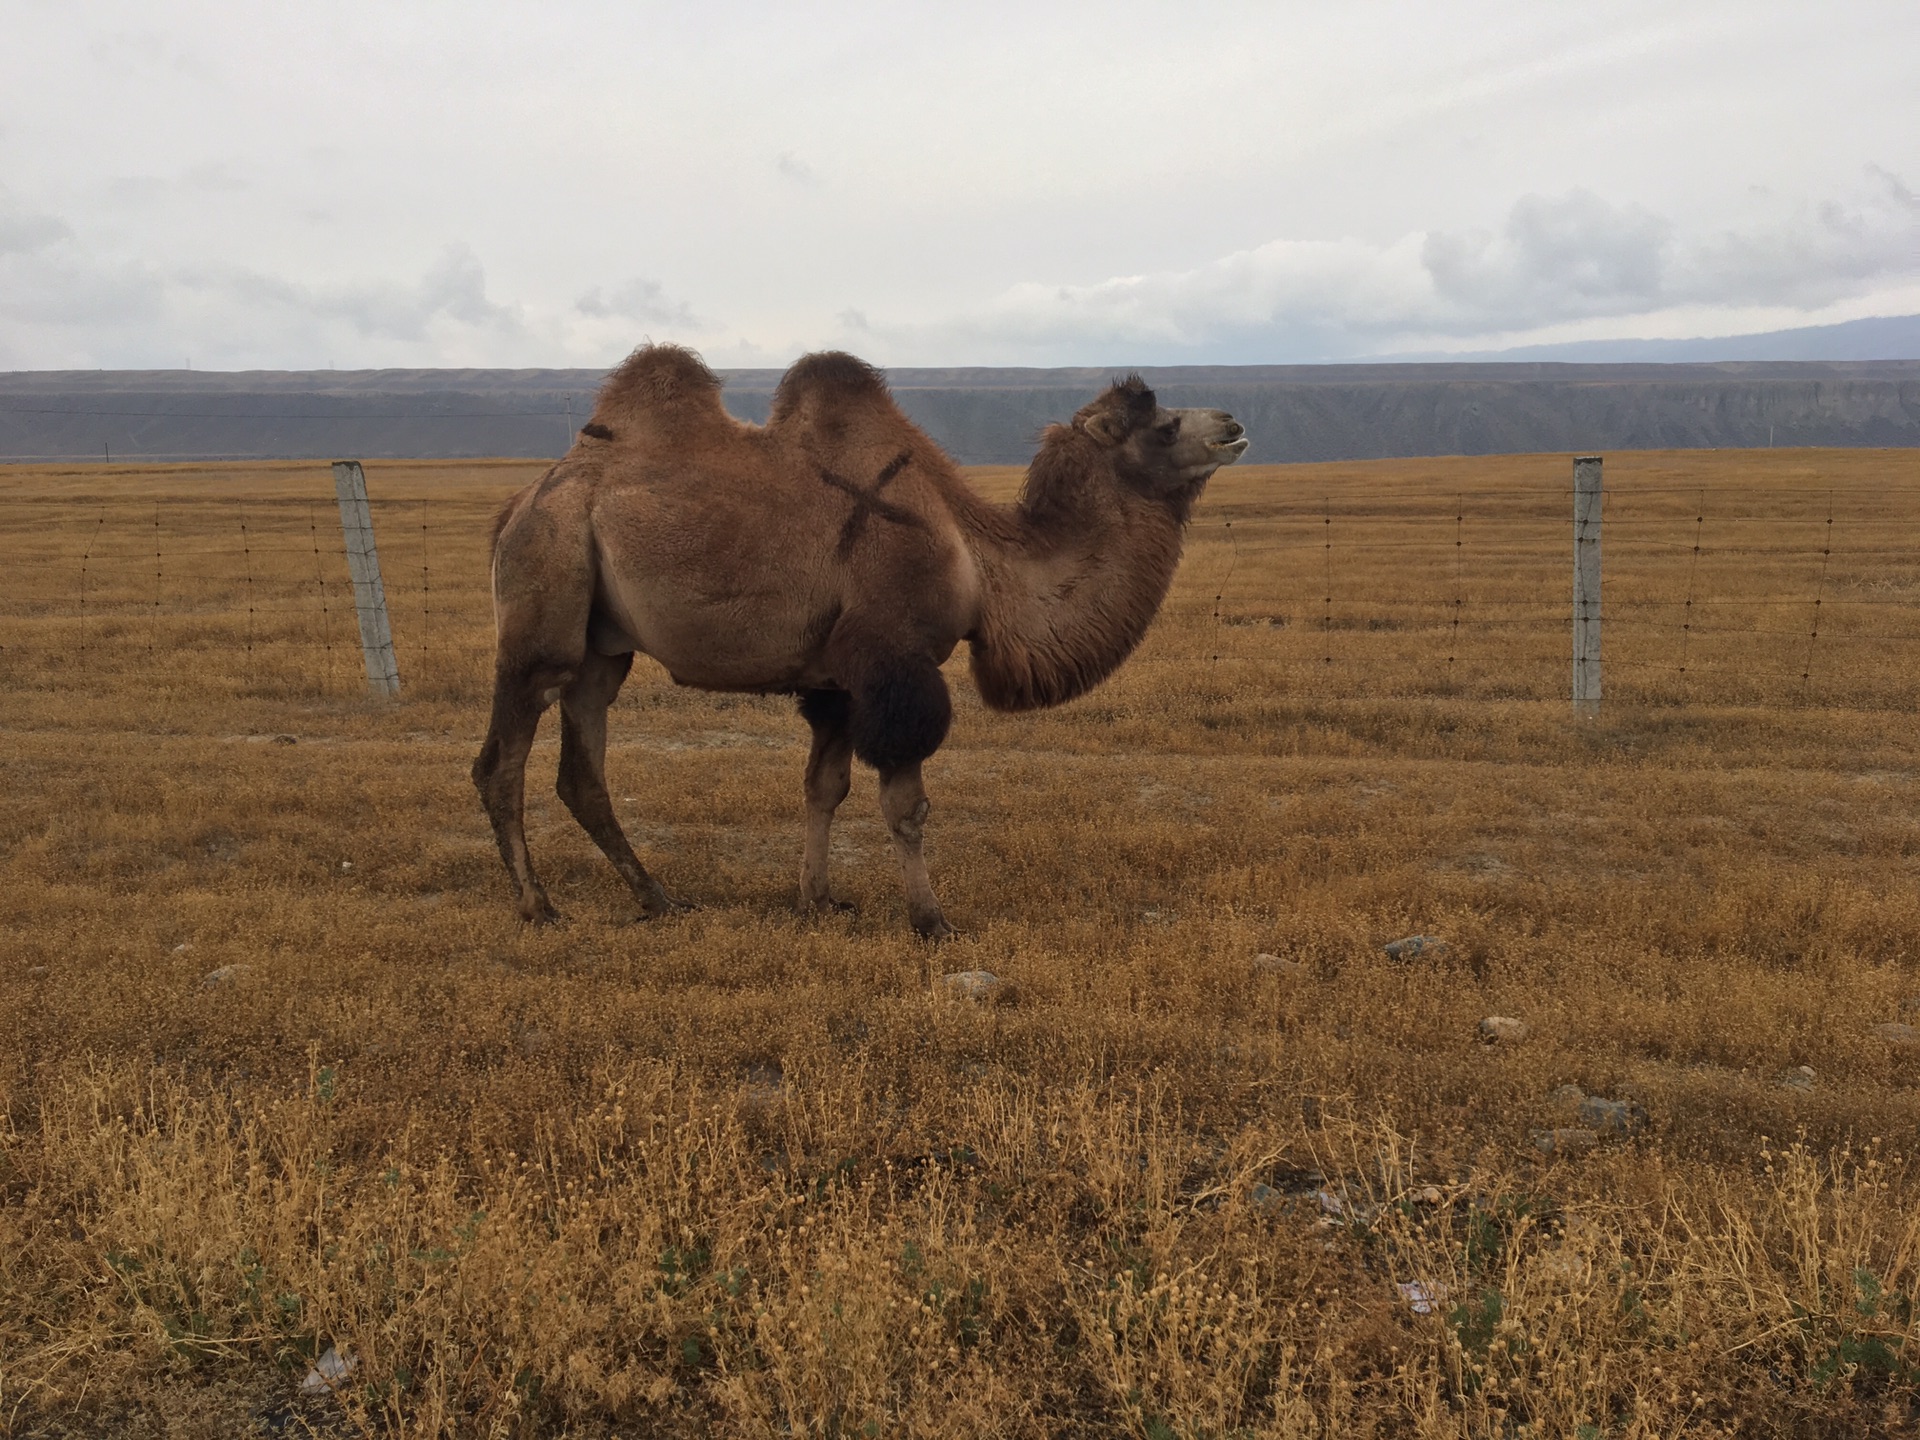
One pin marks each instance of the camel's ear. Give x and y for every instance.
(1107, 426)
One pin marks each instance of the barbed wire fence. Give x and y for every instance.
(1804, 596)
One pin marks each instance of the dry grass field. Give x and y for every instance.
(281, 1073)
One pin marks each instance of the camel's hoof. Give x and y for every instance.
(541, 918)
(660, 905)
(825, 909)
(934, 929)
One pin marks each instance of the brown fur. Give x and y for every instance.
(836, 551)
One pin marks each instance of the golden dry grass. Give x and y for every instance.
(738, 1174)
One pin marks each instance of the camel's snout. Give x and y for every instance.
(1231, 443)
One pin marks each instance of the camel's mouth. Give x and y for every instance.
(1225, 452)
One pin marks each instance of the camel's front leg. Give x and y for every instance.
(829, 776)
(903, 800)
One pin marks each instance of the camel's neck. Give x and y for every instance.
(1069, 583)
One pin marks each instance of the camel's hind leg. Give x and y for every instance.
(829, 776)
(500, 775)
(582, 782)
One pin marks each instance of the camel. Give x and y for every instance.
(834, 554)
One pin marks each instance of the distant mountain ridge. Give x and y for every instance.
(987, 415)
(1879, 337)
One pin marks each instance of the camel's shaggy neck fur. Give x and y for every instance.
(1073, 575)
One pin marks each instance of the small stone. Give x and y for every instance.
(1612, 1117)
(1278, 965)
(1898, 1033)
(1565, 1140)
(1566, 1097)
(36, 971)
(1503, 1030)
(328, 1371)
(286, 740)
(1337, 1206)
(1265, 1197)
(224, 975)
(1799, 1078)
(346, 866)
(765, 1076)
(1410, 946)
(1428, 1195)
(979, 985)
(182, 947)
(1422, 1296)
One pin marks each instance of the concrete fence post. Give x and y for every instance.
(363, 565)
(1586, 585)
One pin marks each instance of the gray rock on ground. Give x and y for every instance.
(1898, 1033)
(979, 985)
(1800, 1078)
(1410, 946)
(1566, 1097)
(1565, 1140)
(1503, 1030)
(224, 975)
(1611, 1117)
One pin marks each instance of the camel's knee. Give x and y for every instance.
(491, 775)
(576, 790)
(825, 790)
(903, 803)
(910, 823)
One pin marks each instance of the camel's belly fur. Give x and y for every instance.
(745, 592)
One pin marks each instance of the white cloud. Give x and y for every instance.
(1557, 259)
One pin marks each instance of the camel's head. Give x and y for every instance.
(1161, 451)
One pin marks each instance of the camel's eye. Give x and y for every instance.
(1169, 431)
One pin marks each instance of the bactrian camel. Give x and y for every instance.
(835, 554)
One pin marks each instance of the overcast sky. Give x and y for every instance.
(508, 184)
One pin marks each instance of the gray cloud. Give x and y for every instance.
(453, 289)
(22, 232)
(67, 298)
(643, 301)
(794, 168)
